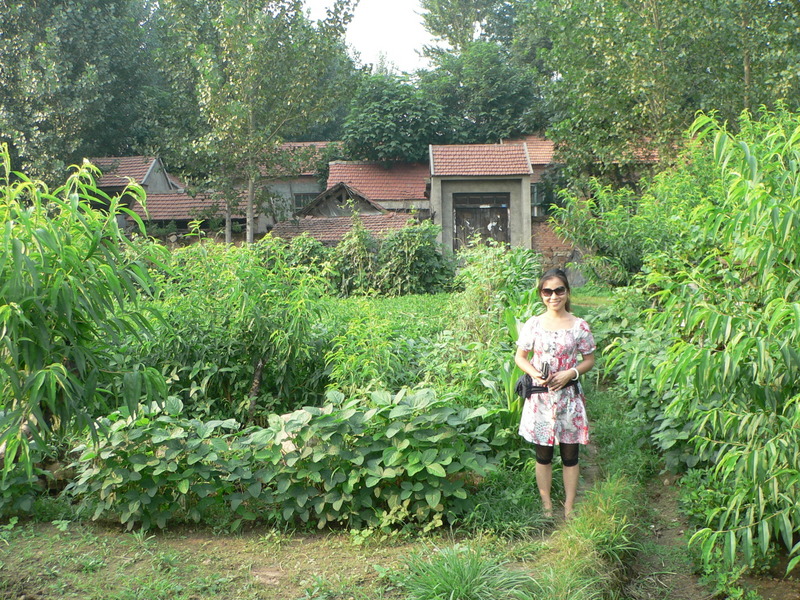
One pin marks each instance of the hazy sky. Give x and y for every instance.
(391, 27)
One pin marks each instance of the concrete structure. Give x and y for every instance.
(301, 187)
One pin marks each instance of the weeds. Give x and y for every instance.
(466, 573)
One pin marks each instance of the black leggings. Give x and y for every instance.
(569, 454)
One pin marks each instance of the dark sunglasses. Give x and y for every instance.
(559, 291)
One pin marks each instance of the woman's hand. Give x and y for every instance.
(558, 380)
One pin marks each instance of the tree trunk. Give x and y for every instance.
(228, 232)
(251, 192)
(255, 389)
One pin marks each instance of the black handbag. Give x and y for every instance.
(525, 387)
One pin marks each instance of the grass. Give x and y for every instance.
(466, 573)
(503, 551)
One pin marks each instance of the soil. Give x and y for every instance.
(664, 568)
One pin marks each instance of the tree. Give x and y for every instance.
(485, 94)
(263, 71)
(71, 74)
(626, 76)
(460, 22)
(391, 119)
(724, 306)
(69, 296)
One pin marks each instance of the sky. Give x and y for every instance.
(390, 27)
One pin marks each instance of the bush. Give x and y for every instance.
(411, 261)
(70, 297)
(354, 261)
(620, 227)
(726, 311)
(388, 461)
(237, 335)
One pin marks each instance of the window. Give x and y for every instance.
(538, 200)
(302, 200)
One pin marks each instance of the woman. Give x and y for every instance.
(548, 349)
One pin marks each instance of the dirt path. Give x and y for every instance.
(664, 568)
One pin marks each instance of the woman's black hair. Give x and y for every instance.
(560, 274)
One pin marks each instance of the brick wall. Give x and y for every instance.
(555, 251)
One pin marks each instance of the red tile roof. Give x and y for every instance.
(177, 207)
(479, 160)
(117, 169)
(540, 150)
(331, 230)
(377, 181)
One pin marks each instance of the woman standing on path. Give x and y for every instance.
(547, 350)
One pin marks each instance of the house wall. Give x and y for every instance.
(302, 185)
(555, 251)
(156, 181)
(423, 205)
(519, 212)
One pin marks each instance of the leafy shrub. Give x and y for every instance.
(69, 296)
(411, 261)
(389, 461)
(495, 280)
(306, 251)
(354, 260)
(236, 339)
(619, 228)
(726, 306)
(19, 490)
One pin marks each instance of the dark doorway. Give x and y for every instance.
(483, 214)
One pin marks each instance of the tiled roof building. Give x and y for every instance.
(331, 230)
(398, 186)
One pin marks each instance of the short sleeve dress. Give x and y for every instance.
(551, 418)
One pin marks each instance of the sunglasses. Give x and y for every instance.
(559, 291)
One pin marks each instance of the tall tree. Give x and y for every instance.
(391, 119)
(71, 74)
(461, 22)
(263, 71)
(485, 94)
(626, 74)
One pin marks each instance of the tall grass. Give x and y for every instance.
(464, 573)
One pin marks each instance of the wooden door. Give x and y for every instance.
(483, 214)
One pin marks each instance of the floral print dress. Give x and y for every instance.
(551, 418)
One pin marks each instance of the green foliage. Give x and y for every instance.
(508, 505)
(236, 336)
(354, 261)
(485, 94)
(386, 462)
(467, 573)
(633, 76)
(74, 81)
(18, 491)
(407, 261)
(390, 119)
(726, 306)
(306, 251)
(69, 297)
(411, 261)
(366, 354)
(620, 227)
(261, 69)
(494, 278)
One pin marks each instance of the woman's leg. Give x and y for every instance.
(544, 476)
(569, 460)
